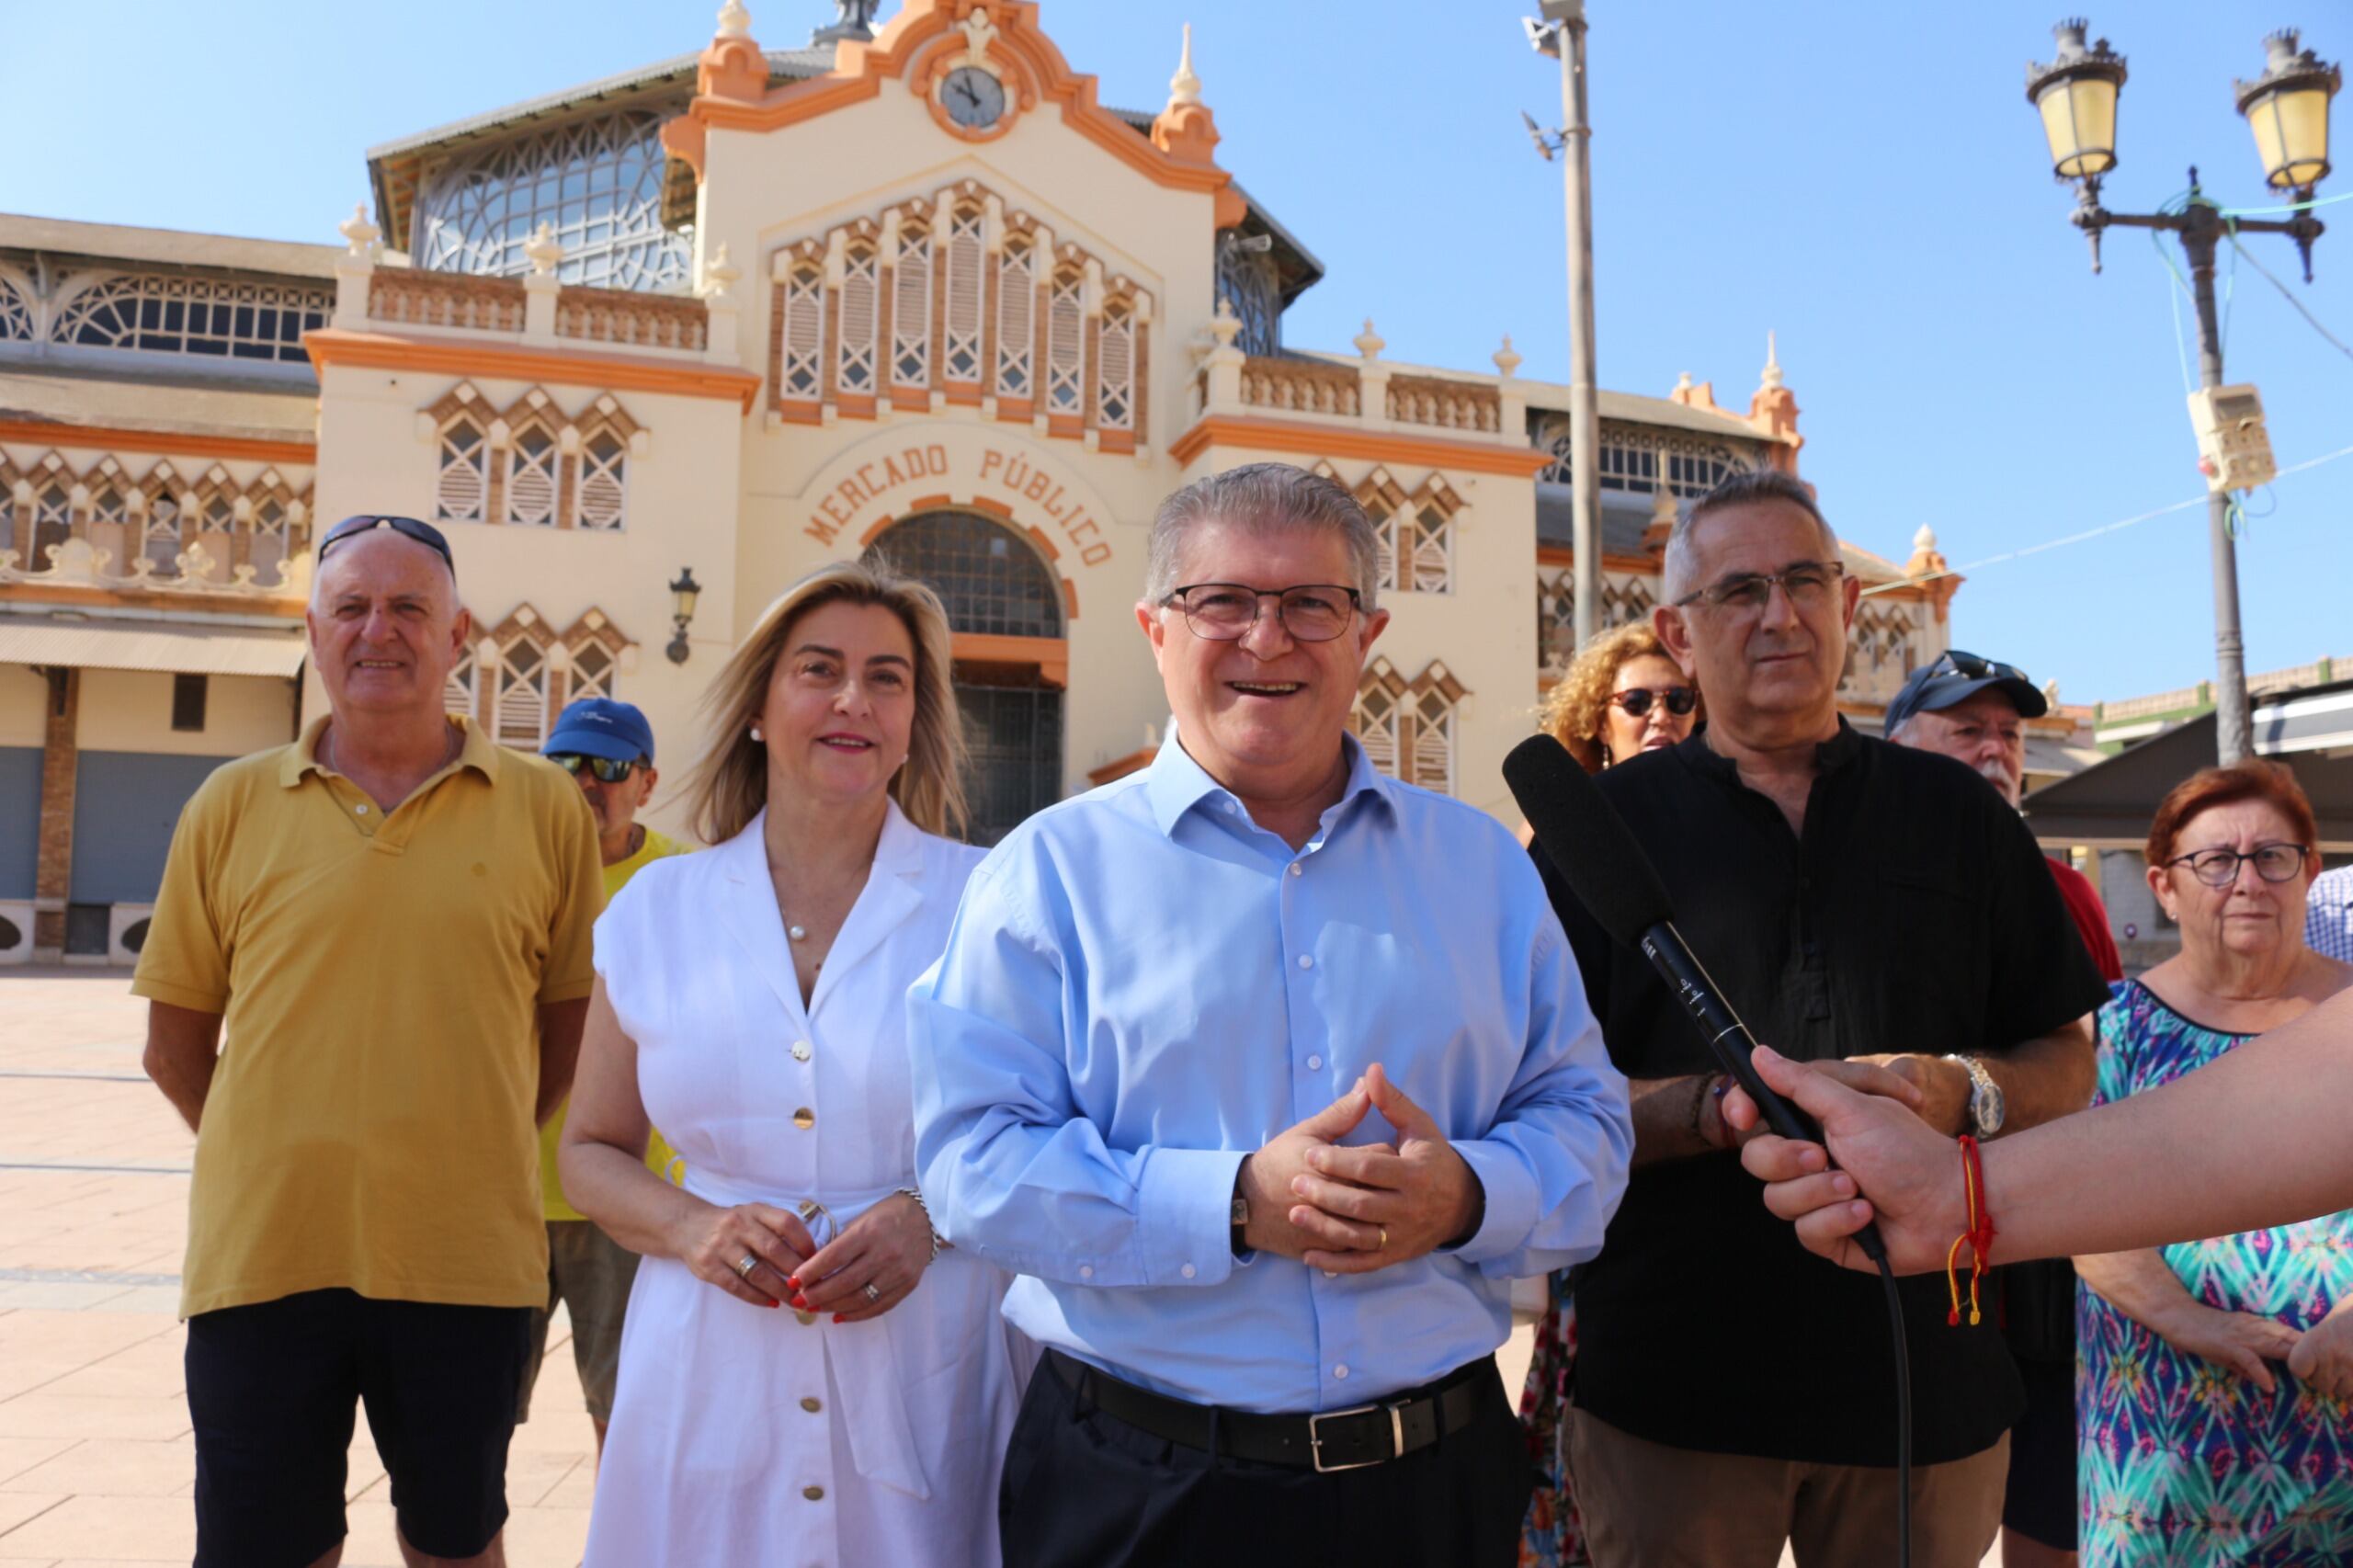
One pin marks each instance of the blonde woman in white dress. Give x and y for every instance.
(807, 1375)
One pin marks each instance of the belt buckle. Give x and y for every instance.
(1315, 1440)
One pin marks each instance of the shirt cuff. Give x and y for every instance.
(1185, 1209)
(1511, 1201)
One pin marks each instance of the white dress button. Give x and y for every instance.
(1305, 962)
(1187, 1271)
(1087, 1271)
(361, 807)
(1341, 1372)
(1296, 870)
(1314, 1063)
(801, 1051)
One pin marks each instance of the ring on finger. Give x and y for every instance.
(750, 1262)
(1384, 1239)
(873, 1294)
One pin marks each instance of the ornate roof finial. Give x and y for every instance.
(733, 21)
(1772, 377)
(853, 19)
(1184, 88)
(542, 250)
(1370, 342)
(718, 273)
(1925, 540)
(1506, 359)
(357, 233)
(1682, 382)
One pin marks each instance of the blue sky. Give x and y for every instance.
(1869, 182)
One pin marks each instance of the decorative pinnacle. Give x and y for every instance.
(1925, 540)
(1507, 361)
(543, 251)
(718, 273)
(1370, 342)
(357, 232)
(1184, 88)
(1682, 380)
(1772, 377)
(733, 21)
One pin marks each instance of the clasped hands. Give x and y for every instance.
(886, 1248)
(1355, 1208)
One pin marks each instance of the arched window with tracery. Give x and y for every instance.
(1065, 341)
(911, 308)
(110, 517)
(1116, 370)
(963, 257)
(15, 311)
(462, 488)
(1011, 659)
(214, 318)
(860, 292)
(163, 533)
(1409, 729)
(519, 714)
(801, 374)
(1017, 310)
(596, 181)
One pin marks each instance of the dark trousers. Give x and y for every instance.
(1083, 1489)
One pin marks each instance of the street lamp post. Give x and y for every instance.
(1561, 34)
(2287, 108)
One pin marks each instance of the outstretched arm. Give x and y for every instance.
(2254, 1140)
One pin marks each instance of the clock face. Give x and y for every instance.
(973, 99)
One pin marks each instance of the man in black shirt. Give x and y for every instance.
(1857, 901)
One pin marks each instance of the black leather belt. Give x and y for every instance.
(1333, 1439)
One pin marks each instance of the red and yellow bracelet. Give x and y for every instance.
(1978, 1238)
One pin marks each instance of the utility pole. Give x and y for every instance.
(1561, 34)
(2233, 721)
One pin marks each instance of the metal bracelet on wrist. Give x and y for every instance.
(937, 1241)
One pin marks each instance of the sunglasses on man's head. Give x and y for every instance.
(604, 769)
(424, 534)
(1637, 700)
(1968, 667)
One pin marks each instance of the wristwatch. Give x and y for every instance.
(1985, 1106)
(1238, 1215)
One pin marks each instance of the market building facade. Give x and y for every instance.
(661, 323)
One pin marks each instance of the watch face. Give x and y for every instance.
(973, 99)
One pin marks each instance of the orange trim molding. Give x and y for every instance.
(1041, 71)
(613, 372)
(1339, 441)
(170, 443)
(67, 595)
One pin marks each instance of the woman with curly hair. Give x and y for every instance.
(1622, 696)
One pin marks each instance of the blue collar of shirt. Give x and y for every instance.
(1176, 784)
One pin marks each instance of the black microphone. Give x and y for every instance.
(1589, 842)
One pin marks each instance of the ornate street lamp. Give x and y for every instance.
(2075, 94)
(682, 597)
(2287, 108)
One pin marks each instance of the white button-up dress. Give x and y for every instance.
(745, 1435)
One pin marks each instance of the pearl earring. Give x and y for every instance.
(756, 736)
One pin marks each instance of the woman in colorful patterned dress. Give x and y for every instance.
(1622, 696)
(2215, 1385)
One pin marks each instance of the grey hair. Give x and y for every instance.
(1744, 488)
(1261, 497)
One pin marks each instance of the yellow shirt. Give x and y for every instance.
(370, 1122)
(658, 1154)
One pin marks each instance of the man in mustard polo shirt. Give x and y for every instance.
(608, 747)
(367, 974)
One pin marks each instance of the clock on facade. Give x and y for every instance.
(973, 99)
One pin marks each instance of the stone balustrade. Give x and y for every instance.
(631, 320)
(1302, 386)
(404, 295)
(1445, 405)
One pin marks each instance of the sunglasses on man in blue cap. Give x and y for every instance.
(608, 740)
(1956, 676)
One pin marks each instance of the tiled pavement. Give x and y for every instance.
(97, 1464)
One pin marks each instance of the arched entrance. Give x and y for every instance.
(1012, 659)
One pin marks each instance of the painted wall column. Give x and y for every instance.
(54, 871)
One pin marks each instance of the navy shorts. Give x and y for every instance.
(272, 1388)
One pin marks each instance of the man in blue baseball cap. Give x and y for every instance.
(608, 747)
(1974, 711)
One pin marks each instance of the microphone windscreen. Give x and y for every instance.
(1586, 840)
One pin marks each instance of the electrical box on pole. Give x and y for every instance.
(2233, 447)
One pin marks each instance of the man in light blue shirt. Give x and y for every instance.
(1268, 1074)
